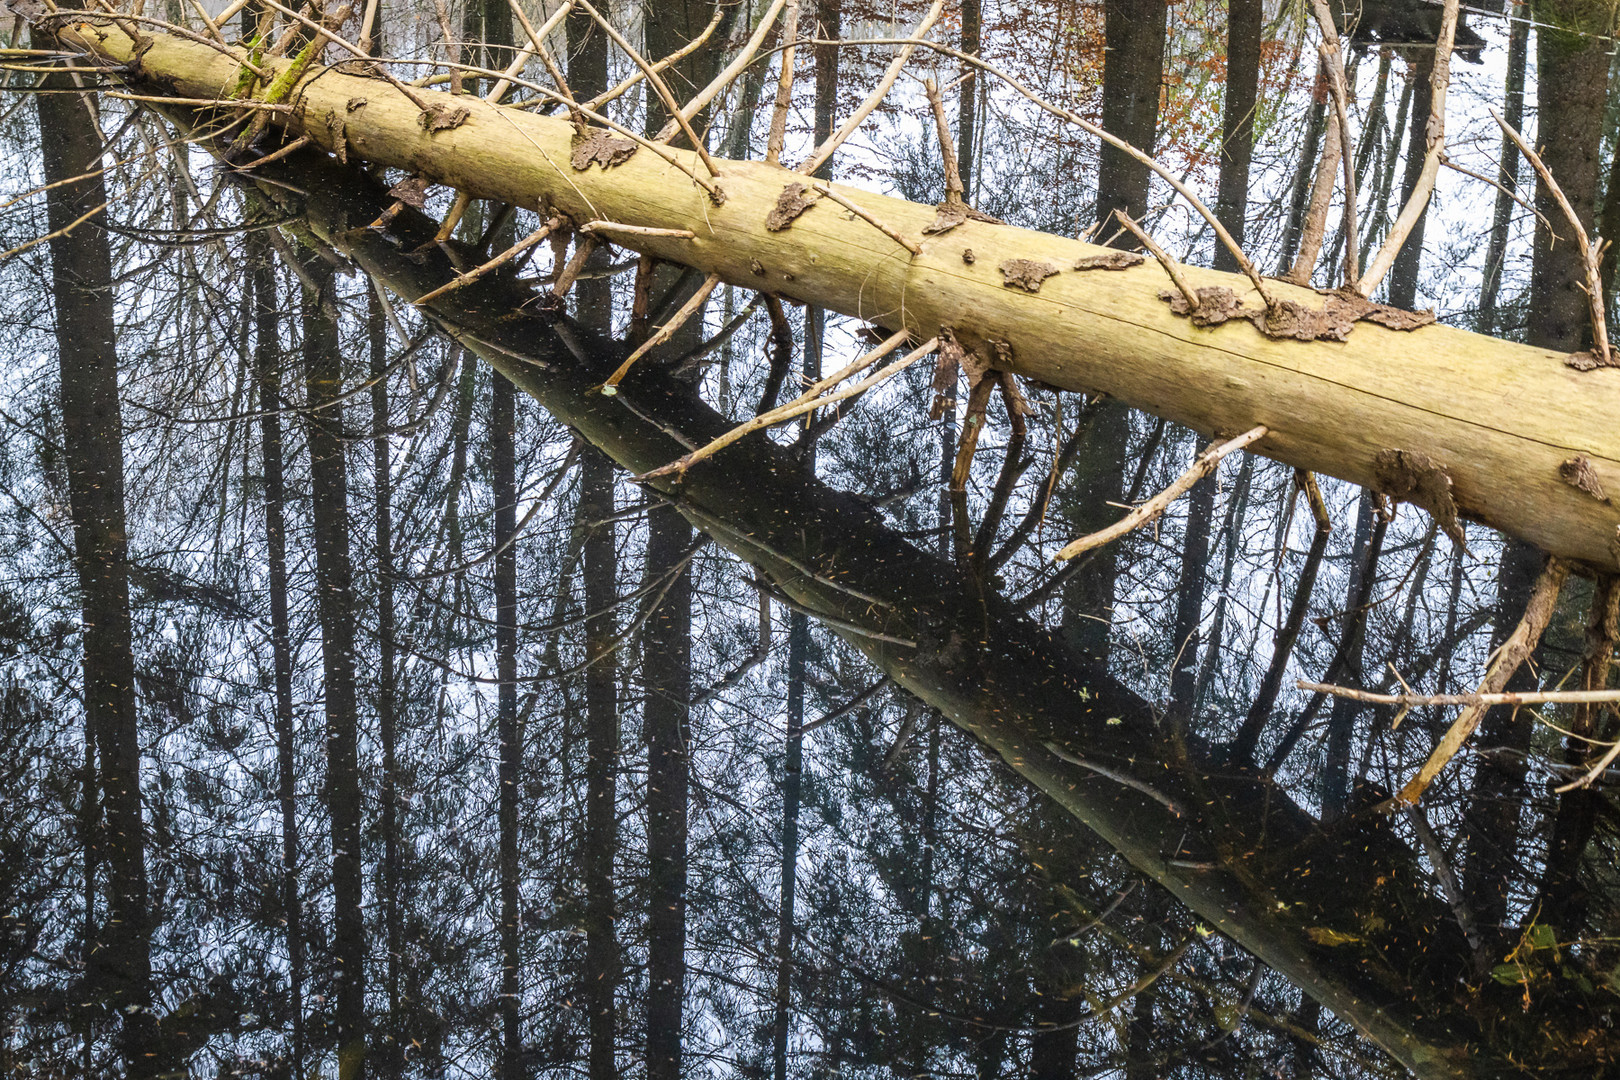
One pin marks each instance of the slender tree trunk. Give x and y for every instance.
(1403, 275)
(966, 114)
(587, 74)
(1508, 177)
(119, 966)
(829, 14)
(1133, 74)
(1243, 32)
(1571, 82)
(334, 581)
(267, 362)
(392, 1060)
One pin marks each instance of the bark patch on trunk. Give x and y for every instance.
(1025, 274)
(1418, 479)
(1114, 260)
(1578, 473)
(794, 200)
(437, 117)
(600, 148)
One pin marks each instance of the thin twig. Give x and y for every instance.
(672, 106)
(1439, 81)
(716, 85)
(1337, 85)
(1170, 265)
(784, 86)
(947, 145)
(1589, 254)
(1513, 652)
(659, 65)
(1148, 511)
(887, 230)
(826, 150)
(1162, 171)
(809, 401)
(1481, 699)
(635, 230)
(500, 260)
(664, 333)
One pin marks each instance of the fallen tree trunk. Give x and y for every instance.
(1350, 916)
(1462, 424)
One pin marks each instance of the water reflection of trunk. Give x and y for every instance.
(334, 584)
(392, 1050)
(267, 364)
(118, 964)
(1019, 691)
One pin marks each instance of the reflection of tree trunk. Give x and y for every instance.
(334, 585)
(119, 966)
(667, 637)
(1342, 718)
(393, 1057)
(667, 675)
(1019, 691)
(267, 361)
(503, 485)
(1184, 640)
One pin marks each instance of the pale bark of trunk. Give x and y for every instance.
(1330, 407)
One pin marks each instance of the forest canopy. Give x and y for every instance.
(796, 538)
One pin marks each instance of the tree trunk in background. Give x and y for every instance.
(1571, 89)
(1132, 76)
(829, 17)
(1508, 177)
(267, 364)
(1243, 32)
(667, 637)
(118, 966)
(587, 75)
(334, 587)
(966, 114)
(1403, 275)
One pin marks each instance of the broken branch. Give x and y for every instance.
(1148, 511)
